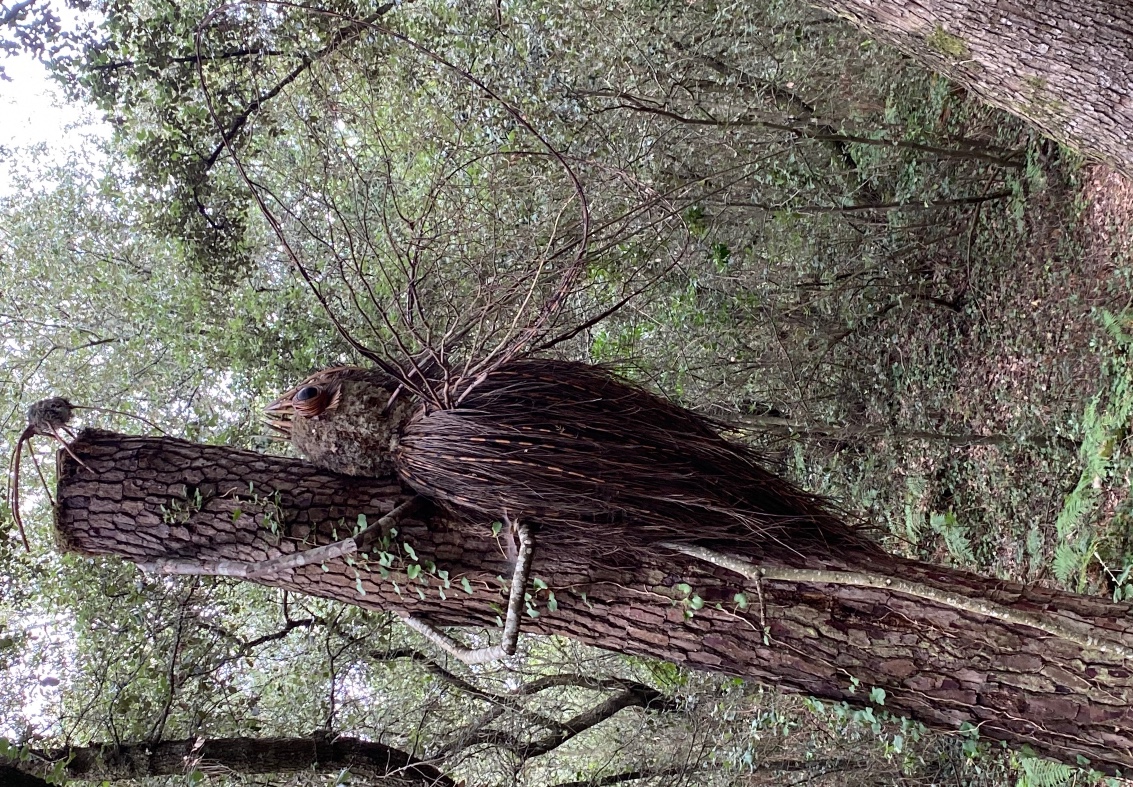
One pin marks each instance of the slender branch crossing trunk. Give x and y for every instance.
(149, 499)
(1064, 65)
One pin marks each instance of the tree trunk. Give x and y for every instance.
(112, 762)
(1064, 65)
(11, 776)
(151, 499)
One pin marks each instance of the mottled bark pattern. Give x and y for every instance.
(1064, 65)
(139, 499)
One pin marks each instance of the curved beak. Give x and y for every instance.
(280, 412)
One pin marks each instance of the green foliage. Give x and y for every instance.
(140, 66)
(1038, 772)
(688, 600)
(1105, 425)
(954, 538)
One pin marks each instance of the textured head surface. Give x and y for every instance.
(48, 415)
(353, 429)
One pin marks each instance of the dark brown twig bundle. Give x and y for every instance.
(586, 458)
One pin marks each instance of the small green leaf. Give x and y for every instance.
(497, 527)
(552, 602)
(361, 522)
(877, 695)
(358, 584)
(696, 602)
(539, 584)
(684, 589)
(441, 593)
(413, 571)
(466, 585)
(532, 612)
(741, 600)
(409, 551)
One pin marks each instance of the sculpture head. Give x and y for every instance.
(344, 419)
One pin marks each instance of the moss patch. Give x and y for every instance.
(947, 44)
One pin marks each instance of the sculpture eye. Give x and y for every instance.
(310, 401)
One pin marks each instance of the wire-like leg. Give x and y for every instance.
(67, 448)
(516, 597)
(14, 487)
(45, 417)
(39, 472)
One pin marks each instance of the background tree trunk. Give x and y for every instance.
(113, 762)
(11, 776)
(148, 499)
(1064, 65)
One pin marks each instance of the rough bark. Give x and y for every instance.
(148, 499)
(113, 762)
(1064, 65)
